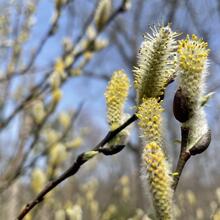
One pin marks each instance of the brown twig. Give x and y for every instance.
(49, 33)
(183, 157)
(20, 169)
(81, 159)
(198, 147)
(36, 135)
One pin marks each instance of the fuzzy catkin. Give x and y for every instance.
(193, 58)
(116, 94)
(193, 53)
(102, 13)
(155, 164)
(38, 180)
(156, 63)
(149, 113)
(57, 154)
(157, 170)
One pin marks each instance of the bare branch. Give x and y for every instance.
(81, 159)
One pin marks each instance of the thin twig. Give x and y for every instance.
(35, 91)
(3, 124)
(183, 157)
(81, 159)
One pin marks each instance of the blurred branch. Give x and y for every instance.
(14, 172)
(50, 32)
(35, 92)
(81, 159)
(96, 76)
(62, 137)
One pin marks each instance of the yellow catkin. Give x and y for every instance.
(216, 216)
(156, 63)
(58, 73)
(38, 111)
(51, 135)
(56, 95)
(74, 212)
(149, 113)
(57, 154)
(64, 119)
(38, 180)
(159, 179)
(74, 143)
(193, 54)
(116, 94)
(59, 66)
(28, 217)
(60, 215)
(193, 58)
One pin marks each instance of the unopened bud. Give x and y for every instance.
(114, 149)
(181, 109)
(89, 155)
(202, 144)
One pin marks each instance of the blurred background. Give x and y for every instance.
(54, 67)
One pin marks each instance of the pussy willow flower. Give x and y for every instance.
(156, 167)
(149, 114)
(38, 180)
(116, 94)
(103, 13)
(38, 111)
(193, 54)
(74, 212)
(156, 63)
(56, 95)
(57, 154)
(74, 143)
(193, 58)
(64, 119)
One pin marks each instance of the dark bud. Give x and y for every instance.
(202, 144)
(181, 108)
(114, 149)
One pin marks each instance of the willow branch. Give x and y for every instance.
(183, 157)
(81, 159)
(198, 147)
(32, 95)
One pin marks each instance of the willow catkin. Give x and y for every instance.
(149, 113)
(156, 63)
(102, 13)
(116, 94)
(193, 58)
(193, 54)
(157, 170)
